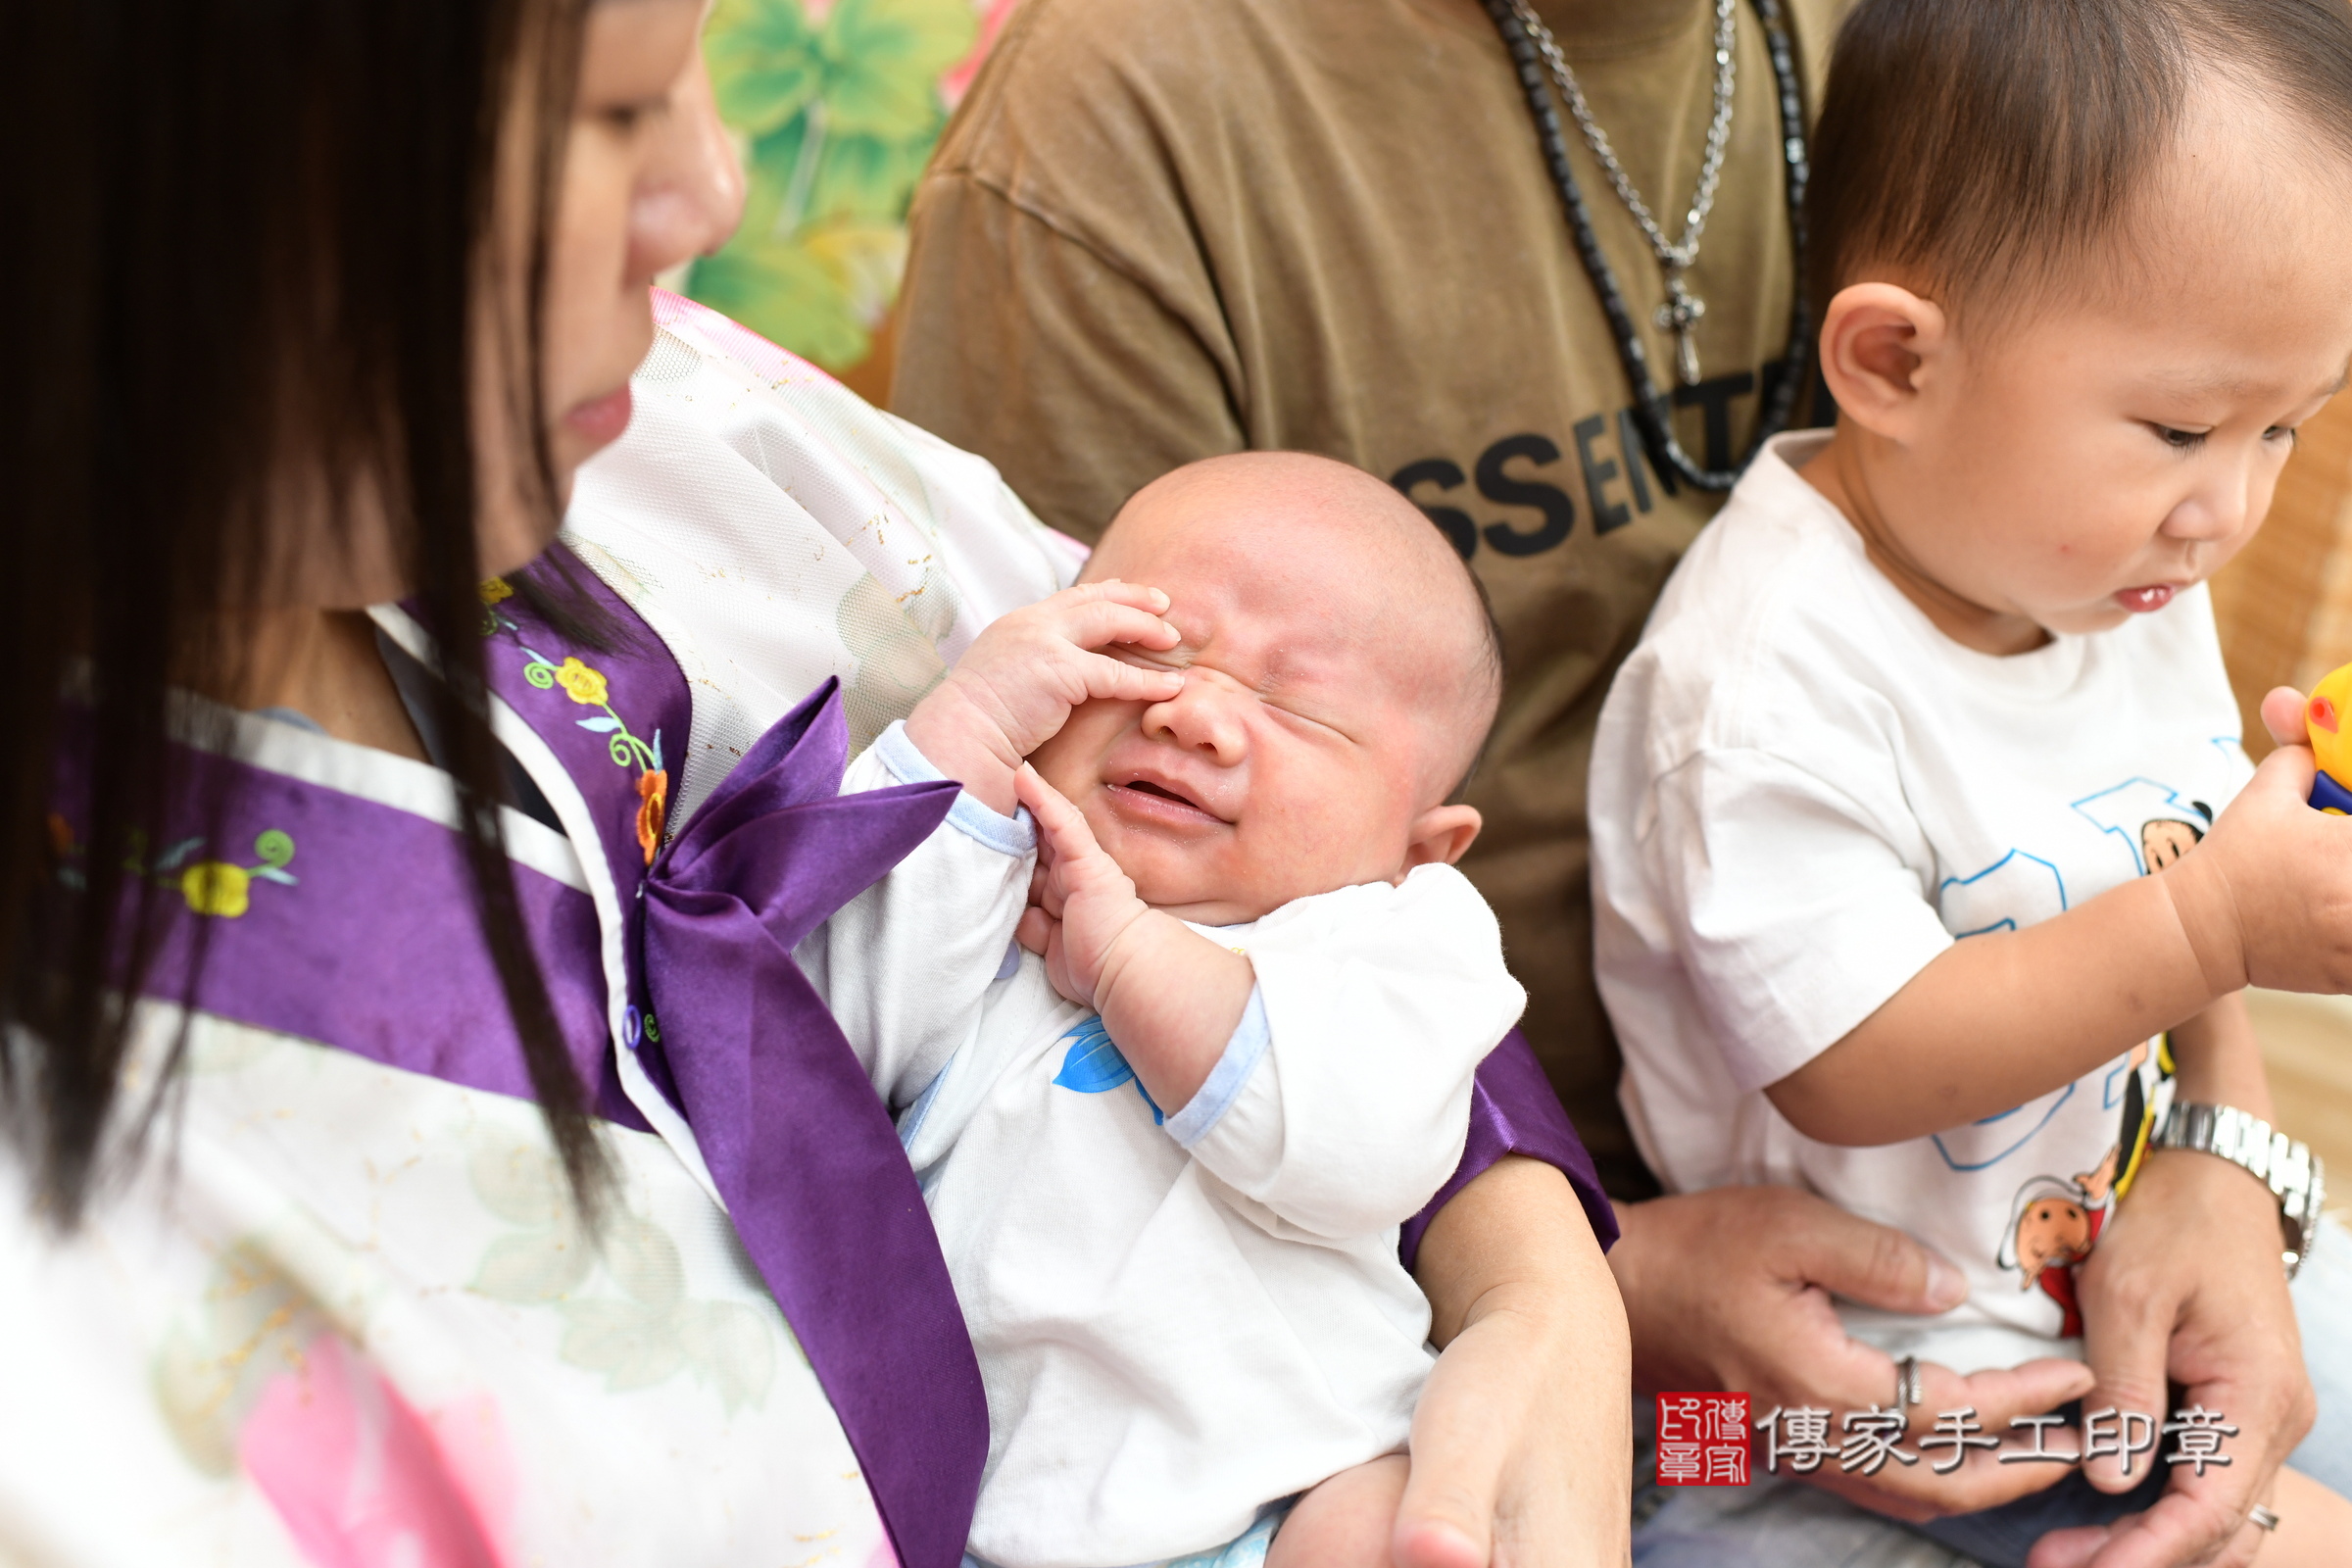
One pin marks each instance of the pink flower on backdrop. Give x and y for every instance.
(994, 13)
(362, 1480)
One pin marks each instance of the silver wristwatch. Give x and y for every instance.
(2295, 1176)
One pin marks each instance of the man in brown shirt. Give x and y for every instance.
(1159, 229)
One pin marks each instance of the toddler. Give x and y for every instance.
(1918, 878)
(1168, 1146)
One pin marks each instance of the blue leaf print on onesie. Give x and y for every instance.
(1093, 1065)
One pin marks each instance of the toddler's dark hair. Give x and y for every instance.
(1998, 143)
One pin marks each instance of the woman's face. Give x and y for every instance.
(648, 180)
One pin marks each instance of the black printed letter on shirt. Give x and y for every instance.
(1559, 512)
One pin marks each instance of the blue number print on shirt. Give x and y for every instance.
(1093, 1065)
(2018, 883)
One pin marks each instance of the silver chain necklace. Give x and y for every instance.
(1681, 312)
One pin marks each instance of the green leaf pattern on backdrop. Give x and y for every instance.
(839, 112)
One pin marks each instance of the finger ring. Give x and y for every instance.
(1906, 1383)
(2261, 1518)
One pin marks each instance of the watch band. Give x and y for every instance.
(2295, 1176)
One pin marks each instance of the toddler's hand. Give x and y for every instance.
(2267, 899)
(1085, 903)
(1015, 687)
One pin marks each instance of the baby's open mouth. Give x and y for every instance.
(1167, 800)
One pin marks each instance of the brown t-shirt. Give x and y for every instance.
(1157, 231)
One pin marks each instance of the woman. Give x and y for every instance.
(437, 1202)
(1156, 233)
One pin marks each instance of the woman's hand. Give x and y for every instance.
(1730, 1290)
(2186, 1285)
(1522, 1454)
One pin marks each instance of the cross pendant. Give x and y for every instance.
(1678, 316)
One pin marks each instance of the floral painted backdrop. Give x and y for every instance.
(836, 104)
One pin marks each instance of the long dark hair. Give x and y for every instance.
(251, 239)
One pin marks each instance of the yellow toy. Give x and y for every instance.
(2325, 717)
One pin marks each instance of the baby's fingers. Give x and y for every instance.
(1100, 625)
(2282, 717)
(1035, 931)
(1059, 822)
(1120, 681)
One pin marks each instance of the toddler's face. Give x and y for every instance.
(1320, 714)
(2089, 462)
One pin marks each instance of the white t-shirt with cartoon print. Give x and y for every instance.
(1802, 793)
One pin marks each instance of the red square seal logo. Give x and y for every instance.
(1703, 1440)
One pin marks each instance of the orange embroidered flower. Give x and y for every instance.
(653, 796)
(495, 589)
(585, 686)
(60, 834)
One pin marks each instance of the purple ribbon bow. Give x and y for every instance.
(791, 1127)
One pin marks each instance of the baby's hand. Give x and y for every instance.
(2267, 899)
(1169, 997)
(1015, 687)
(1084, 903)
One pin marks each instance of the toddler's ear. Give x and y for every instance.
(1442, 836)
(1876, 342)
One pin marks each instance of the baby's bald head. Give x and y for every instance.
(1335, 558)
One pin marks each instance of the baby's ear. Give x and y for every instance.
(1877, 339)
(1442, 836)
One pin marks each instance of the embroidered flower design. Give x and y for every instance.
(653, 796)
(494, 589)
(589, 687)
(215, 887)
(585, 686)
(222, 889)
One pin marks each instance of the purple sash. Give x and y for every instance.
(354, 925)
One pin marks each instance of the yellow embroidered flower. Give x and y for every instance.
(586, 686)
(215, 887)
(495, 589)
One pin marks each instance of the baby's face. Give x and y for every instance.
(1320, 716)
(2090, 461)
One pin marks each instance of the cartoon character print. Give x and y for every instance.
(2055, 1221)
(2053, 1224)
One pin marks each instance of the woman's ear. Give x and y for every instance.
(1441, 836)
(1879, 346)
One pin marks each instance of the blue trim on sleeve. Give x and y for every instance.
(1015, 835)
(1242, 1053)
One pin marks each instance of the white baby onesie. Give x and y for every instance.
(1802, 794)
(1182, 1313)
